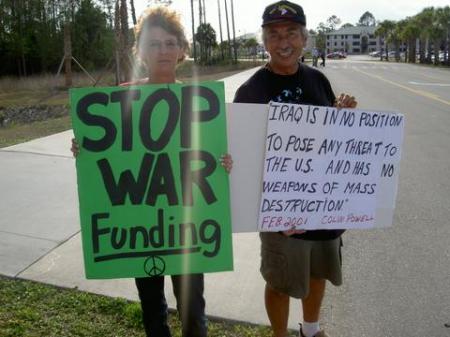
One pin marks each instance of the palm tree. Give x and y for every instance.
(399, 37)
(410, 33)
(445, 21)
(384, 30)
(206, 36)
(425, 20)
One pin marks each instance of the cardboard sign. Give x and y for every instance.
(154, 199)
(329, 169)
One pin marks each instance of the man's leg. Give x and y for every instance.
(277, 307)
(313, 302)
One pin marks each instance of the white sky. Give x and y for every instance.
(248, 13)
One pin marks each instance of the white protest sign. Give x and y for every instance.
(326, 168)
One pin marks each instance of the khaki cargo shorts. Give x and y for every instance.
(287, 263)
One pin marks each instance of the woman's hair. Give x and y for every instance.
(164, 18)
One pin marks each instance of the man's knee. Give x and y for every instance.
(275, 293)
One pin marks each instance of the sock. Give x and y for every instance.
(309, 329)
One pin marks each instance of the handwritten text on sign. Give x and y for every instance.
(153, 198)
(329, 169)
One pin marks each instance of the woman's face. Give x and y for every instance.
(160, 51)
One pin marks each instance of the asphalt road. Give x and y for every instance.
(397, 280)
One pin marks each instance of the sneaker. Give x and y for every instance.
(321, 333)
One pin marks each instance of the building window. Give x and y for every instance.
(356, 43)
(373, 43)
(356, 50)
(335, 44)
(356, 36)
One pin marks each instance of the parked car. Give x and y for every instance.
(336, 55)
(375, 53)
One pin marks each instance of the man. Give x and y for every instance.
(294, 263)
(315, 57)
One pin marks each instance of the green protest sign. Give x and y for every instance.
(154, 199)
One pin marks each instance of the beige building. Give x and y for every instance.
(353, 40)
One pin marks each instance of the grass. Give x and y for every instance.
(46, 89)
(33, 309)
(19, 133)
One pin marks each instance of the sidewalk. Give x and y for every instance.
(40, 239)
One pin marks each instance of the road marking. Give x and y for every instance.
(431, 84)
(418, 92)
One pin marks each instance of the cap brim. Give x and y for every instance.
(282, 20)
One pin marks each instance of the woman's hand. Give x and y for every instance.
(75, 148)
(345, 101)
(227, 162)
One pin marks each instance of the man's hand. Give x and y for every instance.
(345, 101)
(293, 231)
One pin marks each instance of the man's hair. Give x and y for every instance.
(302, 28)
(164, 18)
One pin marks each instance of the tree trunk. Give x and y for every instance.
(67, 55)
(234, 32)
(228, 29)
(204, 12)
(220, 29)
(436, 44)
(124, 46)
(421, 51)
(193, 31)
(429, 49)
(381, 46)
(200, 12)
(387, 51)
(133, 12)
(412, 50)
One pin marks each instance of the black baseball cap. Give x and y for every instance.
(283, 11)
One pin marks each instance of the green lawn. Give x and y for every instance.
(19, 133)
(33, 310)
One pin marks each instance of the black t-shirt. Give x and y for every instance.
(307, 86)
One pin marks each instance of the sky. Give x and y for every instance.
(248, 12)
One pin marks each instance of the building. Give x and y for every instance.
(353, 40)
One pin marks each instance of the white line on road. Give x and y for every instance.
(431, 84)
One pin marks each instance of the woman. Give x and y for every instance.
(161, 44)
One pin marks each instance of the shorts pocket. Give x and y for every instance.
(274, 269)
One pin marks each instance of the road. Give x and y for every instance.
(397, 280)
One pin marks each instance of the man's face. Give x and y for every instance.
(285, 42)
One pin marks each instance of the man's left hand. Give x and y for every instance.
(345, 101)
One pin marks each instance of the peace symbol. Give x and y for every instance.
(154, 266)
